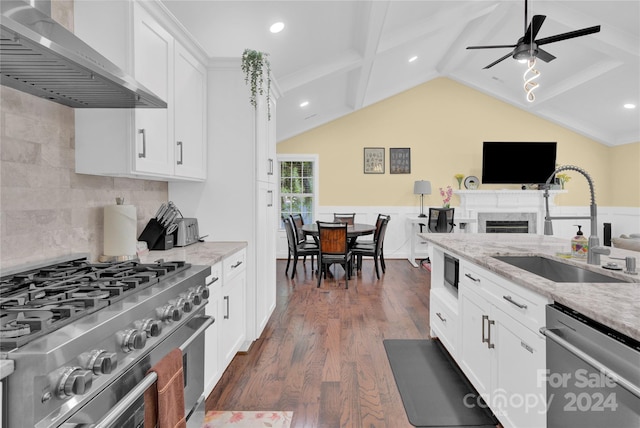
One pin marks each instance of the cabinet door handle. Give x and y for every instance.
(238, 263)
(226, 316)
(270, 167)
(513, 302)
(484, 318)
(214, 279)
(270, 203)
(471, 278)
(179, 143)
(144, 143)
(443, 319)
(489, 344)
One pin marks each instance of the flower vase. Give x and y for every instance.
(445, 206)
(459, 183)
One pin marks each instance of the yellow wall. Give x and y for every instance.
(444, 123)
(624, 164)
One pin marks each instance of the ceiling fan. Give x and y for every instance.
(528, 47)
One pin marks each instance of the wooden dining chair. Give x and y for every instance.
(301, 239)
(373, 249)
(334, 249)
(295, 249)
(298, 222)
(348, 218)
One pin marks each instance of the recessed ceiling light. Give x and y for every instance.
(277, 27)
(413, 58)
(629, 106)
(304, 103)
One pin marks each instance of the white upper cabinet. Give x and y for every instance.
(153, 67)
(190, 115)
(265, 139)
(162, 144)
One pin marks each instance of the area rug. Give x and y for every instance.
(241, 419)
(434, 391)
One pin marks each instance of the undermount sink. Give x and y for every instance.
(556, 271)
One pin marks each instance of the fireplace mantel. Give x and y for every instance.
(526, 202)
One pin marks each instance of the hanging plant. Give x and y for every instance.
(257, 69)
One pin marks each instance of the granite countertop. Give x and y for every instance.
(616, 305)
(200, 253)
(6, 368)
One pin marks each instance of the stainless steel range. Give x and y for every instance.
(83, 335)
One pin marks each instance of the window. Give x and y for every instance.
(298, 187)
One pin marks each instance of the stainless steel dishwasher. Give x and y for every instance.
(593, 373)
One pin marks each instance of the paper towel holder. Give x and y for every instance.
(120, 258)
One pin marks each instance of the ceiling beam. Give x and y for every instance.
(372, 27)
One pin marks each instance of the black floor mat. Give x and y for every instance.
(434, 391)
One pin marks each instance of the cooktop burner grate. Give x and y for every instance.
(36, 302)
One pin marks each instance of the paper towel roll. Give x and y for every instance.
(120, 236)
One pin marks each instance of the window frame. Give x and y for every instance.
(314, 158)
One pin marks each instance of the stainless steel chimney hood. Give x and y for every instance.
(41, 57)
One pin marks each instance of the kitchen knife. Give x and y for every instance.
(161, 211)
(171, 218)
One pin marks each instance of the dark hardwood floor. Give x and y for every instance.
(321, 354)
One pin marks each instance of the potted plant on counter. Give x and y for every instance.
(257, 69)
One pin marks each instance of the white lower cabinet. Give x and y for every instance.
(491, 329)
(520, 361)
(444, 319)
(227, 301)
(232, 312)
(503, 359)
(266, 250)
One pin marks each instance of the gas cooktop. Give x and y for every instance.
(37, 301)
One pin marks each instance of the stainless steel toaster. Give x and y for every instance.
(187, 232)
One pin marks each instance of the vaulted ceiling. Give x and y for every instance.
(341, 56)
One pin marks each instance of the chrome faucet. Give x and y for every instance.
(594, 250)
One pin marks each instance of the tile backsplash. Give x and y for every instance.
(46, 209)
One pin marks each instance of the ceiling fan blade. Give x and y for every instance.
(536, 23)
(569, 35)
(544, 55)
(501, 59)
(491, 47)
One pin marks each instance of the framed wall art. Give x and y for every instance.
(374, 160)
(400, 161)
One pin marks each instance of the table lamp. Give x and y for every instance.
(422, 187)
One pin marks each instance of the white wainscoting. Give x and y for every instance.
(624, 220)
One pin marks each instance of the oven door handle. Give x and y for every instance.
(128, 400)
(620, 380)
(208, 321)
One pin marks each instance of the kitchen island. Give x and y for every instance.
(492, 316)
(616, 305)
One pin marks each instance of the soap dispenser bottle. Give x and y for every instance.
(579, 244)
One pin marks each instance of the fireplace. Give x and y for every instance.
(507, 226)
(503, 222)
(507, 211)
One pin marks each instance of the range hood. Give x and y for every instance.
(41, 57)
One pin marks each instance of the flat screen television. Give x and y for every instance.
(517, 162)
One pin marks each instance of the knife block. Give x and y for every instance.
(156, 236)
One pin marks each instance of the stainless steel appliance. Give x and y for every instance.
(187, 232)
(593, 373)
(41, 57)
(83, 335)
(451, 272)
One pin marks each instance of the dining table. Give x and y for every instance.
(353, 230)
